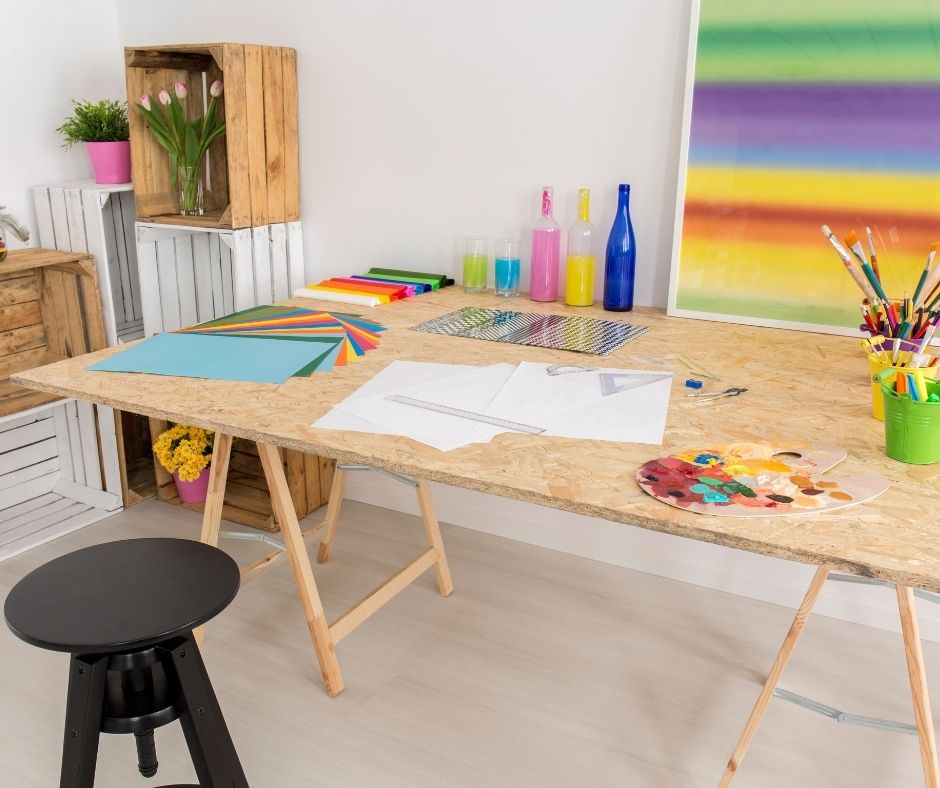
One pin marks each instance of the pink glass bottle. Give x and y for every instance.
(546, 253)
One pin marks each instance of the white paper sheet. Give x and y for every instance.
(570, 405)
(469, 386)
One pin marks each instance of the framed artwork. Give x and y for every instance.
(799, 114)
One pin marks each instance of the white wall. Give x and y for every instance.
(52, 52)
(425, 120)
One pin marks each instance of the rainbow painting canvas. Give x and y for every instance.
(804, 113)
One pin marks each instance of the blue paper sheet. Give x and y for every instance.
(214, 357)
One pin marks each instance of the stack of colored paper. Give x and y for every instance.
(378, 286)
(264, 344)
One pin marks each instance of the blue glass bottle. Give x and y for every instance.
(620, 268)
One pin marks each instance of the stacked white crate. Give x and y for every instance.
(192, 274)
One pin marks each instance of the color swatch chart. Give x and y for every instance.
(560, 332)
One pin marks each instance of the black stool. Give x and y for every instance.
(125, 611)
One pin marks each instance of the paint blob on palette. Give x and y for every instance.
(756, 480)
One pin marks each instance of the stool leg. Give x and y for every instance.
(146, 754)
(207, 736)
(83, 711)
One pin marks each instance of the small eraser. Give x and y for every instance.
(691, 383)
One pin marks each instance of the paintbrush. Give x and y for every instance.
(931, 281)
(856, 275)
(851, 240)
(923, 274)
(928, 335)
(871, 252)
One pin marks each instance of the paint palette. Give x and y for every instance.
(756, 480)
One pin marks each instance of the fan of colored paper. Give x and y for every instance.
(342, 338)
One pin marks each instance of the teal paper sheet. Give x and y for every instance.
(215, 357)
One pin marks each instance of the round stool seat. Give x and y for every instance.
(121, 596)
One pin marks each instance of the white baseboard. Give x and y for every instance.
(699, 563)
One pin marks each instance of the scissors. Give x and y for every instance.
(732, 392)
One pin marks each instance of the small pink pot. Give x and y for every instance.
(111, 161)
(195, 491)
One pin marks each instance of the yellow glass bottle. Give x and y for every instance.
(579, 276)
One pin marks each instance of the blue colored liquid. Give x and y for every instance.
(507, 276)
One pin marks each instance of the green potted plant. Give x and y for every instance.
(102, 126)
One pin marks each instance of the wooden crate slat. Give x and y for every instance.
(149, 283)
(27, 455)
(33, 432)
(75, 442)
(102, 247)
(255, 118)
(45, 233)
(13, 316)
(291, 139)
(123, 204)
(273, 102)
(297, 275)
(261, 264)
(19, 478)
(167, 288)
(60, 219)
(186, 280)
(243, 279)
(108, 447)
(214, 268)
(225, 268)
(280, 265)
(204, 289)
(19, 289)
(88, 435)
(60, 416)
(75, 215)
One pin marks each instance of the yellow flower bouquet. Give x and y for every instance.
(186, 453)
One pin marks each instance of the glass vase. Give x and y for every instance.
(189, 182)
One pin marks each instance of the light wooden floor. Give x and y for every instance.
(541, 670)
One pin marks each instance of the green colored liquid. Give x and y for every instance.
(474, 272)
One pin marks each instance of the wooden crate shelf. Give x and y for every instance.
(247, 500)
(253, 172)
(49, 310)
(58, 470)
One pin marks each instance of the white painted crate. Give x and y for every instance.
(192, 274)
(50, 475)
(98, 219)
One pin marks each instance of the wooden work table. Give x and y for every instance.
(808, 387)
(802, 387)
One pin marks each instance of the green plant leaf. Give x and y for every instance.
(102, 121)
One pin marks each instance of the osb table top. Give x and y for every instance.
(802, 387)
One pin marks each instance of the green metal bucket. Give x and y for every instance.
(912, 429)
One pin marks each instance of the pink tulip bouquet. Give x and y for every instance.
(185, 141)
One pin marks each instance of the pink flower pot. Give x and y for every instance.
(111, 161)
(195, 491)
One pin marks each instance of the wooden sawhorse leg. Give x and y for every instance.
(916, 672)
(432, 529)
(324, 636)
